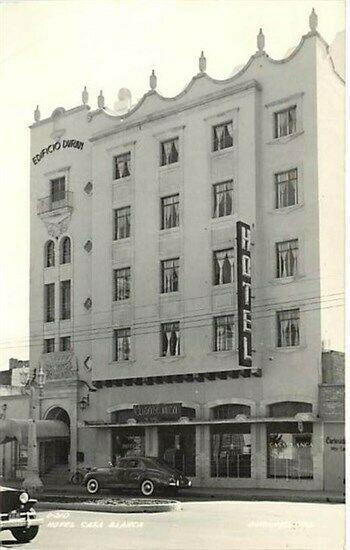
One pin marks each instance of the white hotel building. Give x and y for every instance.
(134, 283)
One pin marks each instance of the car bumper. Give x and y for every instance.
(181, 484)
(24, 520)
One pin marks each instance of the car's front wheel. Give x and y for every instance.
(92, 486)
(147, 488)
(23, 534)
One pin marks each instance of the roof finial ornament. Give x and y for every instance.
(313, 20)
(202, 63)
(153, 80)
(85, 96)
(101, 101)
(260, 40)
(37, 114)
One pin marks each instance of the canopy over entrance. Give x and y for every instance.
(11, 430)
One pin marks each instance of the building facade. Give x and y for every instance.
(184, 276)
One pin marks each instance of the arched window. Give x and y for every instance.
(229, 410)
(288, 408)
(65, 251)
(49, 254)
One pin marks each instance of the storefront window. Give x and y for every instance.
(128, 442)
(177, 447)
(230, 451)
(289, 450)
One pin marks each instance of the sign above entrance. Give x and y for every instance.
(158, 411)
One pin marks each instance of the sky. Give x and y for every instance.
(50, 49)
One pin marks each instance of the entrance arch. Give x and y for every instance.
(54, 452)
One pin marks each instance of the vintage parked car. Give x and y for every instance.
(148, 474)
(17, 514)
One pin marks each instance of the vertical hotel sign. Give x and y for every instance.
(244, 283)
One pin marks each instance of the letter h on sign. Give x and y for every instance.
(244, 294)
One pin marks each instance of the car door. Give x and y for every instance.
(132, 473)
(117, 474)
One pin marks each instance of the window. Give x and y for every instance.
(286, 188)
(288, 328)
(65, 251)
(222, 136)
(223, 266)
(229, 410)
(169, 151)
(287, 258)
(170, 334)
(289, 450)
(223, 199)
(58, 189)
(170, 212)
(170, 275)
(122, 344)
(224, 339)
(65, 300)
(122, 166)
(65, 343)
(122, 284)
(122, 223)
(230, 451)
(49, 302)
(50, 254)
(285, 122)
(49, 345)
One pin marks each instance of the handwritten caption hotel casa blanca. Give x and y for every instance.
(64, 144)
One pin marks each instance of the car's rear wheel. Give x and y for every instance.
(92, 486)
(147, 487)
(23, 534)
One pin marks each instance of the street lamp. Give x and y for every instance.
(32, 480)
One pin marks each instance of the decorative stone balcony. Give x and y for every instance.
(56, 214)
(48, 204)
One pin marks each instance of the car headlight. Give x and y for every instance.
(24, 497)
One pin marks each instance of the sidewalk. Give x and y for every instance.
(66, 493)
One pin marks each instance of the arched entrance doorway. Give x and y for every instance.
(54, 452)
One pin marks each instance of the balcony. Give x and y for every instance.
(51, 204)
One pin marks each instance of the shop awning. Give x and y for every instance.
(13, 429)
(248, 420)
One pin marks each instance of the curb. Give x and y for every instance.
(168, 506)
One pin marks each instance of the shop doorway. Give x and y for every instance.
(177, 447)
(127, 442)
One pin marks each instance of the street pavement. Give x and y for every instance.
(199, 525)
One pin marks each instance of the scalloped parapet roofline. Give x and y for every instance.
(117, 117)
